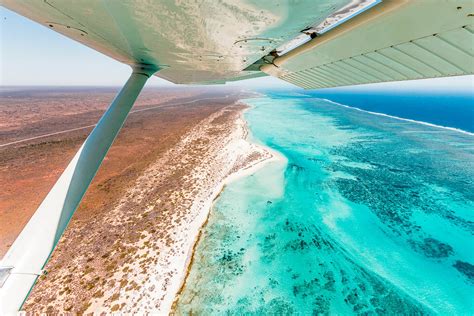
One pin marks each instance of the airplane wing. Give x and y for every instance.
(296, 41)
(312, 44)
(393, 41)
(189, 41)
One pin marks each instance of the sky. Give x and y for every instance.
(31, 54)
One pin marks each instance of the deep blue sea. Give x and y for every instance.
(442, 108)
(367, 214)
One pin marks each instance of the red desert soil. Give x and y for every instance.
(96, 252)
(29, 169)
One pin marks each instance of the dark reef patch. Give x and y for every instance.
(465, 268)
(432, 248)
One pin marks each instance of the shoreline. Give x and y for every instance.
(228, 155)
(226, 160)
(242, 172)
(149, 228)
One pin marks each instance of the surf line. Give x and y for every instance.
(400, 118)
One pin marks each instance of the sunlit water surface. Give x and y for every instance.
(368, 215)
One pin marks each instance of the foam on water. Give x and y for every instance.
(362, 218)
(401, 118)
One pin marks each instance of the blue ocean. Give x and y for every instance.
(367, 213)
(442, 108)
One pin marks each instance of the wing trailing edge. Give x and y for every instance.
(393, 41)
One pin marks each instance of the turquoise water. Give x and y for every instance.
(368, 215)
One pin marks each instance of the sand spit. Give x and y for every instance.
(136, 256)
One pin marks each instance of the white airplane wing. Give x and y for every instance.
(217, 41)
(312, 44)
(395, 40)
(190, 41)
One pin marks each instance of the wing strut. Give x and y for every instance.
(27, 256)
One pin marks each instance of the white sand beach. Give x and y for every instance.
(154, 226)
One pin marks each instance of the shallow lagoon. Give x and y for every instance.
(368, 215)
